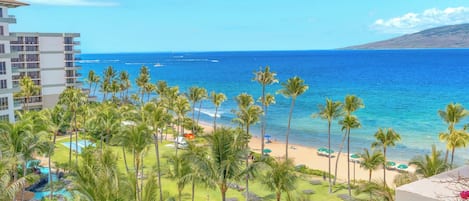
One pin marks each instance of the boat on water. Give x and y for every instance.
(158, 65)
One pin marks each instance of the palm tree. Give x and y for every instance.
(179, 169)
(196, 94)
(375, 189)
(109, 75)
(227, 154)
(329, 112)
(27, 90)
(217, 99)
(107, 122)
(93, 78)
(247, 115)
(264, 77)
(453, 114)
(181, 107)
(138, 137)
(72, 99)
(351, 104)
(161, 87)
(371, 161)
(385, 138)
(142, 80)
(198, 174)
(157, 118)
(94, 178)
(430, 165)
(9, 188)
(459, 138)
(349, 122)
(292, 89)
(125, 85)
(280, 177)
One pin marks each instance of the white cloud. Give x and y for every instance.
(414, 22)
(73, 2)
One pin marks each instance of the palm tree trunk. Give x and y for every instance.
(193, 189)
(157, 152)
(329, 147)
(198, 113)
(247, 165)
(263, 120)
(288, 132)
(338, 156)
(384, 166)
(446, 156)
(137, 162)
(193, 117)
(279, 195)
(215, 119)
(24, 175)
(76, 138)
(70, 151)
(125, 160)
(348, 163)
(142, 177)
(452, 157)
(223, 192)
(50, 177)
(369, 180)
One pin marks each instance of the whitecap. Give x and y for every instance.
(89, 61)
(210, 113)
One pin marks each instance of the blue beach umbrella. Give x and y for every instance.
(267, 151)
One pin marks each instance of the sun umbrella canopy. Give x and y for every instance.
(354, 156)
(267, 151)
(267, 136)
(402, 166)
(390, 163)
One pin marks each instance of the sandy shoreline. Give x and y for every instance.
(308, 156)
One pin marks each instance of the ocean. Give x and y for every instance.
(401, 89)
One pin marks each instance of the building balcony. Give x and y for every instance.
(15, 70)
(11, 19)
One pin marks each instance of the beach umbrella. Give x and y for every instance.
(267, 136)
(322, 149)
(390, 164)
(354, 157)
(402, 167)
(267, 151)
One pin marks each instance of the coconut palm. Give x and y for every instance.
(107, 121)
(27, 90)
(453, 114)
(385, 138)
(376, 190)
(124, 85)
(157, 118)
(280, 177)
(72, 98)
(138, 137)
(459, 138)
(246, 116)
(181, 107)
(330, 111)
(143, 80)
(161, 87)
(227, 155)
(349, 122)
(94, 178)
(371, 161)
(217, 99)
(196, 95)
(8, 187)
(148, 89)
(292, 89)
(179, 169)
(430, 165)
(351, 104)
(264, 77)
(93, 78)
(198, 174)
(109, 75)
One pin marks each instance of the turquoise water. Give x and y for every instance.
(402, 89)
(81, 145)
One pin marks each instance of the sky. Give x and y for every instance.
(113, 26)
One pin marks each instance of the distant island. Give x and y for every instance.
(452, 36)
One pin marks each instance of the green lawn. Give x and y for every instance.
(202, 193)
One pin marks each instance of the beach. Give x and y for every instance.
(304, 155)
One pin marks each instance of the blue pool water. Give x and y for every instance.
(81, 145)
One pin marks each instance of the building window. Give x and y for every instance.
(2, 33)
(2, 48)
(30, 40)
(3, 68)
(68, 40)
(4, 118)
(4, 103)
(3, 84)
(1, 12)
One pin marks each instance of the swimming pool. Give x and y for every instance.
(81, 145)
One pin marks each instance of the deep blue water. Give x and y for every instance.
(402, 89)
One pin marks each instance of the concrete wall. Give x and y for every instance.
(47, 43)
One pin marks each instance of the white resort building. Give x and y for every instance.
(48, 58)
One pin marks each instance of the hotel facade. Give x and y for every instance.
(49, 59)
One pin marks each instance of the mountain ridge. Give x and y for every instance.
(450, 36)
